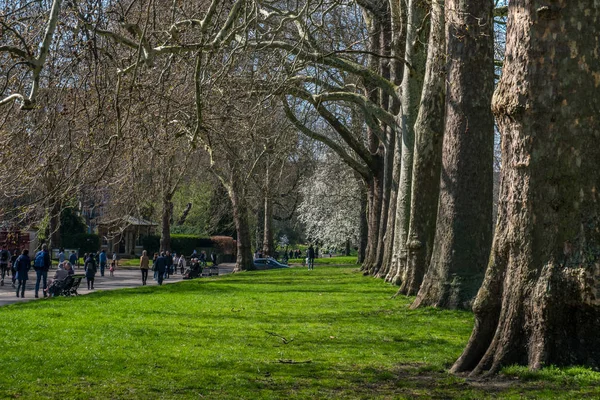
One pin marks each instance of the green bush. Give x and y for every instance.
(186, 244)
(85, 242)
(151, 244)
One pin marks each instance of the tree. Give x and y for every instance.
(330, 203)
(463, 228)
(539, 305)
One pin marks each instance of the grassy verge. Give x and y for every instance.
(292, 333)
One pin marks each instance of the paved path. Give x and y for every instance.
(124, 278)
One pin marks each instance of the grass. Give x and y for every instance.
(290, 333)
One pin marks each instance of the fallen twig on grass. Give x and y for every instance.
(293, 361)
(284, 340)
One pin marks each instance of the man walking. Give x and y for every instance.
(310, 255)
(4, 257)
(42, 265)
(102, 260)
(161, 265)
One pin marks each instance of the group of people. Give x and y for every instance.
(165, 264)
(20, 265)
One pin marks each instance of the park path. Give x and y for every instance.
(124, 278)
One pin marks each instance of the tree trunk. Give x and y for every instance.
(54, 226)
(463, 229)
(398, 48)
(411, 87)
(540, 301)
(364, 226)
(165, 236)
(427, 158)
(240, 216)
(268, 227)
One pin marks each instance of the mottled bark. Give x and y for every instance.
(427, 158)
(364, 227)
(412, 81)
(463, 228)
(540, 301)
(398, 47)
(240, 216)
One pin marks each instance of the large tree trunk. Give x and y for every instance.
(398, 47)
(463, 229)
(165, 236)
(240, 216)
(427, 158)
(412, 81)
(540, 301)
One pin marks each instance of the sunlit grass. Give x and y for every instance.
(290, 333)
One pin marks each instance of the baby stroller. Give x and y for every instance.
(193, 271)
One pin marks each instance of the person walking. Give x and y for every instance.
(41, 265)
(103, 260)
(61, 256)
(169, 260)
(310, 256)
(73, 258)
(22, 266)
(13, 266)
(4, 259)
(213, 258)
(154, 258)
(160, 265)
(144, 265)
(181, 264)
(90, 271)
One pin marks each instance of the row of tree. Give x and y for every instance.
(401, 91)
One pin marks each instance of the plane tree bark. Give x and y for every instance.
(463, 229)
(427, 158)
(540, 301)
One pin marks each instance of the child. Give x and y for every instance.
(113, 266)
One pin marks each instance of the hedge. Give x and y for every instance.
(85, 242)
(186, 244)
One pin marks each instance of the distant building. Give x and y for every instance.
(124, 235)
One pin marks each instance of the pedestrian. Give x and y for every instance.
(202, 259)
(73, 259)
(175, 264)
(115, 259)
(144, 261)
(41, 265)
(61, 256)
(291, 255)
(90, 271)
(4, 259)
(13, 265)
(23, 264)
(310, 257)
(113, 266)
(168, 268)
(154, 258)
(213, 258)
(160, 265)
(102, 260)
(181, 264)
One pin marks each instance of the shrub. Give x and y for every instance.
(186, 244)
(85, 242)
(151, 244)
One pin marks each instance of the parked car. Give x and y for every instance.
(268, 263)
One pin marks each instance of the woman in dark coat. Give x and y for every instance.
(23, 264)
(90, 271)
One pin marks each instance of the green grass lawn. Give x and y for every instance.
(290, 333)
